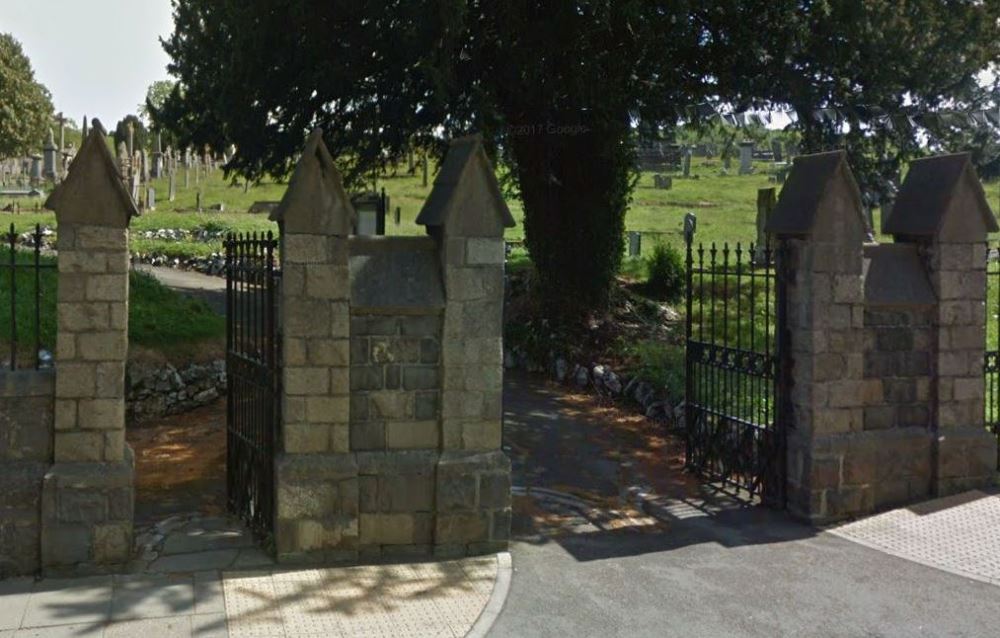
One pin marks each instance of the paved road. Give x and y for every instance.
(738, 572)
(212, 290)
(710, 571)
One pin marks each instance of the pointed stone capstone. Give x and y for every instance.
(466, 199)
(820, 191)
(942, 196)
(315, 202)
(93, 192)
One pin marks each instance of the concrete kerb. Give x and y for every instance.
(498, 598)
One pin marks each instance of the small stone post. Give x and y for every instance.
(942, 208)
(317, 494)
(766, 200)
(746, 157)
(88, 494)
(467, 215)
(819, 214)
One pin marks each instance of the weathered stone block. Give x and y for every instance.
(366, 378)
(462, 527)
(391, 405)
(112, 543)
(420, 377)
(411, 435)
(306, 500)
(306, 249)
(494, 491)
(101, 414)
(388, 529)
(324, 281)
(328, 409)
(307, 381)
(457, 492)
(484, 252)
(426, 405)
(329, 352)
(306, 438)
(79, 446)
(368, 436)
(107, 287)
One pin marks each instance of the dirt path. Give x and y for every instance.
(181, 463)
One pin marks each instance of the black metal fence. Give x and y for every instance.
(991, 369)
(253, 377)
(28, 287)
(737, 367)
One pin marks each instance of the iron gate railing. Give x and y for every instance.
(253, 411)
(737, 367)
(28, 288)
(991, 368)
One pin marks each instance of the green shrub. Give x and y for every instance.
(666, 273)
(661, 364)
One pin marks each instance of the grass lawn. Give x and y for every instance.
(725, 205)
(159, 318)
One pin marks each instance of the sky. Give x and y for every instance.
(97, 57)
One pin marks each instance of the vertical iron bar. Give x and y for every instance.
(725, 422)
(688, 355)
(38, 295)
(12, 237)
(230, 386)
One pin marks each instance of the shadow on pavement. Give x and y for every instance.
(578, 446)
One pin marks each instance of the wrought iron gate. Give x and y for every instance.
(253, 408)
(991, 369)
(736, 367)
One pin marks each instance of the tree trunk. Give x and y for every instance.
(575, 186)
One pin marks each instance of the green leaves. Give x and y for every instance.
(25, 104)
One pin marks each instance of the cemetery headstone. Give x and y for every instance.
(746, 158)
(766, 200)
(687, 162)
(151, 198)
(172, 188)
(776, 150)
(156, 170)
(36, 169)
(49, 157)
(197, 201)
(663, 182)
(634, 243)
(398, 216)
(134, 190)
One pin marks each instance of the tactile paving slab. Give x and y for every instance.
(958, 534)
(423, 600)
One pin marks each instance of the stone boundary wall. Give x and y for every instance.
(887, 341)
(26, 428)
(153, 391)
(393, 367)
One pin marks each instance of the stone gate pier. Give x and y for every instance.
(392, 370)
(887, 341)
(88, 493)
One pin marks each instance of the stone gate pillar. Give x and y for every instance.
(88, 495)
(943, 211)
(467, 216)
(819, 215)
(316, 474)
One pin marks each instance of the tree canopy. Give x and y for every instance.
(139, 133)
(560, 90)
(25, 104)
